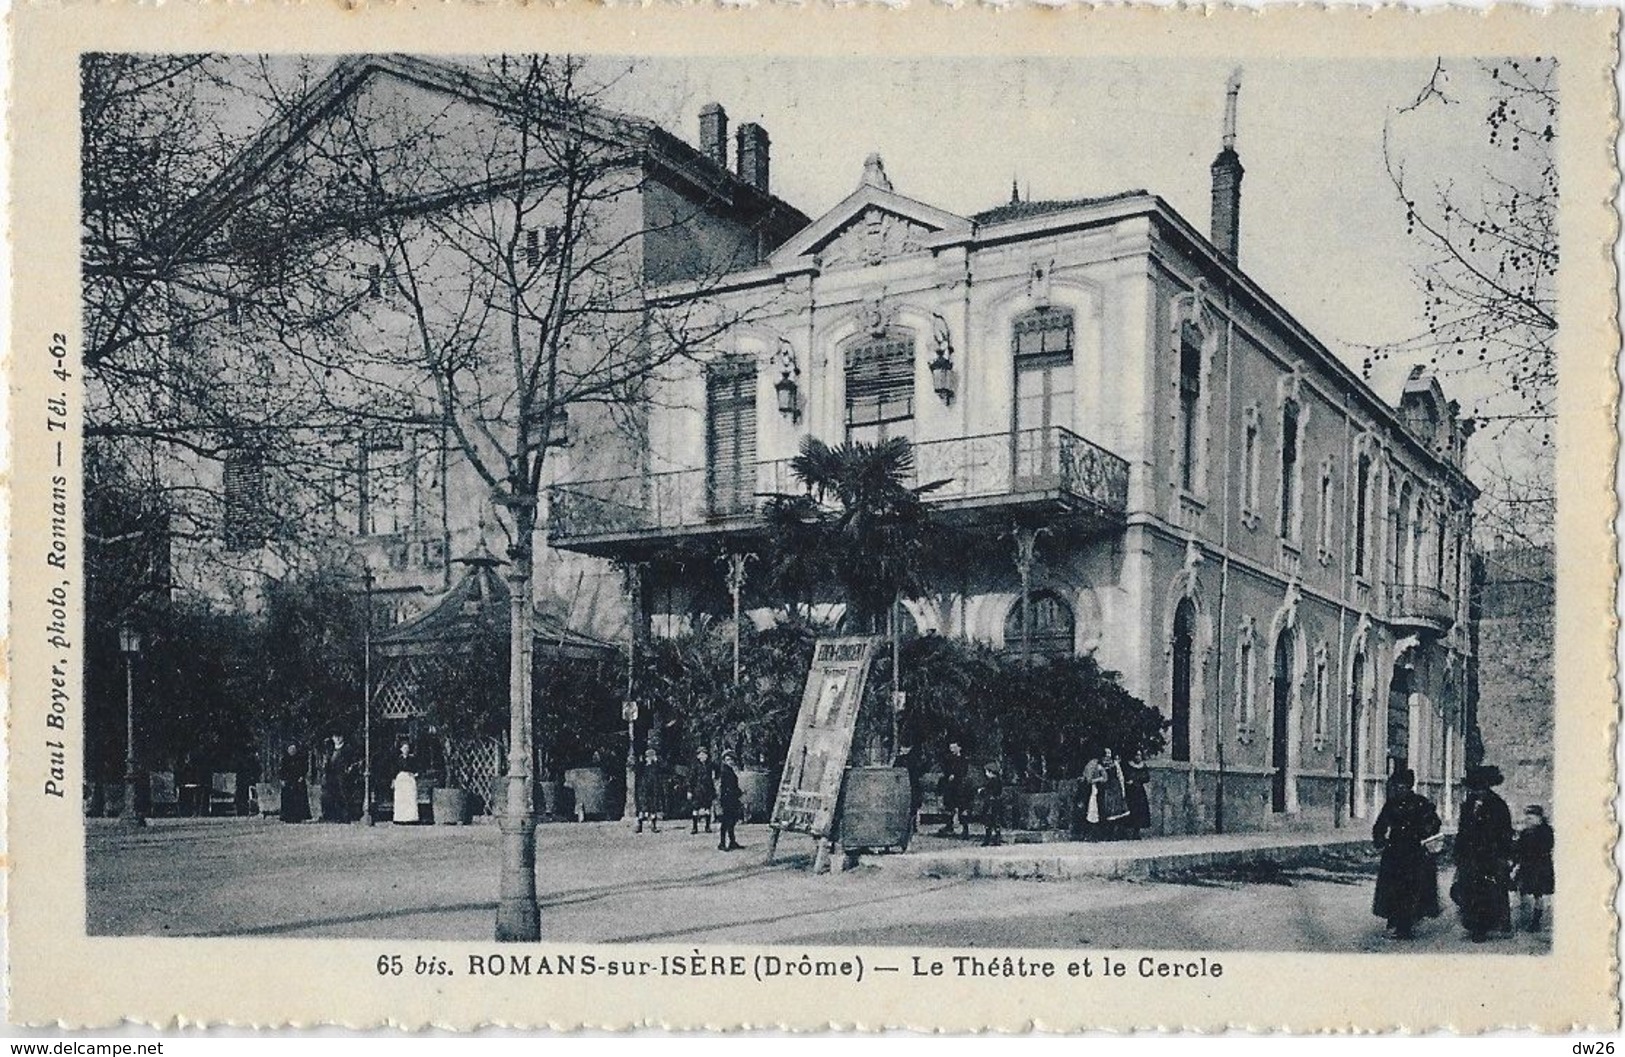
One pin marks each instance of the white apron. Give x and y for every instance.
(406, 798)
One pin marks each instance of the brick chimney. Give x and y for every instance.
(1227, 173)
(714, 133)
(751, 159)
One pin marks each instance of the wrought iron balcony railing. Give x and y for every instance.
(1420, 604)
(1048, 462)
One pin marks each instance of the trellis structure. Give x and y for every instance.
(416, 655)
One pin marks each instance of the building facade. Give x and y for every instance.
(1155, 463)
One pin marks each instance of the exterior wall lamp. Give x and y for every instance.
(788, 392)
(944, 379)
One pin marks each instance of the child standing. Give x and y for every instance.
(992, 806)
(1533, 855)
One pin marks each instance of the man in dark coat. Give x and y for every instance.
(909, 760)
(992, 806)
(295, 797)
(1406, 885)
(956, 792)
(1483, 857)
(338, 778)
(651, 790)
(702, 791)
(729, 801)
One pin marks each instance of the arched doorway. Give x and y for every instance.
(1399, 719)
(1184, 653)
(1280, 725)
(1357, 740)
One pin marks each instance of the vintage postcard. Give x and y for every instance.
(934, 518)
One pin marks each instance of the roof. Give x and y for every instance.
(1017, 210)
(477, 605)
(349, 75)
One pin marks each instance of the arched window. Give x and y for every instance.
(1049, 629)
(1362, 485)
(1289, 471)
(880, 387)
(1280, 725)
(1184, 649)
(1190, 395)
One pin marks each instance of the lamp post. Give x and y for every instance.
(366, 695)
(129, 644)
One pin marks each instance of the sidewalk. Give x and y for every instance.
(931, 856)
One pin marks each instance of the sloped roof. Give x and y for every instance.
(476, 605)
(999, 214)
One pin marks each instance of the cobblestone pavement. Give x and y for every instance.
(601, 882)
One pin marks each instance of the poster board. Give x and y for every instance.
(822, 742)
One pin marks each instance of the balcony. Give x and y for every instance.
(1051, 474)
(1420, 607)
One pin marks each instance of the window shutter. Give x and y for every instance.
(731, 437)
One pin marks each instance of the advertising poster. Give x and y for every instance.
(811, 785)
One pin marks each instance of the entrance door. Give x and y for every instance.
(1184, 641)
(1279, 727)
(1045, 391)
(1399, 720)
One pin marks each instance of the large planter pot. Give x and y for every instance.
(268, 797)
(756, 789)
(450, 807)
(876, 809)
(590, 789)
(556, 799)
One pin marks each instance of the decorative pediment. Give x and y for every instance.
(871, 238)
(872, 224)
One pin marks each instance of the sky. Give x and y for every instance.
(1321, 227)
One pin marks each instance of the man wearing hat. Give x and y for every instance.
(1483, 857)
(730, 802)
(992, 805)
(1406, 885)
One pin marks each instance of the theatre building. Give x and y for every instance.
(1166, 466)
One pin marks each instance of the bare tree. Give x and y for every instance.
(1489, 283)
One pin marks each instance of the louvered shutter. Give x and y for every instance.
(730, 440)
(880, 387)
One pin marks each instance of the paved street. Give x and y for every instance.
(600, 882)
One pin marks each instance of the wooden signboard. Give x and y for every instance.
(811, 786)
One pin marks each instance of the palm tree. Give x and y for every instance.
(861, 523)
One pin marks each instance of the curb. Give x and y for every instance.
(1041, 867)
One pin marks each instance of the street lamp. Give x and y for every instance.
(129, 644)
(366, 695)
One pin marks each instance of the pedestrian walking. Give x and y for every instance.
(1107, 803)
(1533, 855)
(405, 786)
(702, 791)
(338, 776)
(992, 805)
(1136, 776)
(295, 793)
(651, 787)
(1481, 889)
(955, 792)
(729, 801)
(1407, 886)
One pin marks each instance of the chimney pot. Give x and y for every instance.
(714, 133)
(752, 156)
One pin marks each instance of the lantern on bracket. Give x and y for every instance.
(944, 379)
(789, 392)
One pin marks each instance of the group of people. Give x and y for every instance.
(1492, 859)
(339, 772)
(1110, 798)
(711, 791)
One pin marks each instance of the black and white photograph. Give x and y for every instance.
(967, 502)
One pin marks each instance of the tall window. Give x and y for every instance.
(730, 437)
(1438, 561)
(1184, 645)
(1324, 525)
(1289, 470)
(1246, 680)
(1045, 388)
(1049, 626)
(1400, 560)
(1362, 485)
(245, 520)
(1322, 665)
(1249, 467)
(880, 387)
(1190, 393)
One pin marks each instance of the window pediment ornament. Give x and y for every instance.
(1196, 308)
(1038, 282)
(876, 316)
(1289, 388)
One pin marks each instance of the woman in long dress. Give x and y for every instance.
(406, 787)
(1483, 857)
(1136, 775)
(1107, 804)
(295, 794)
